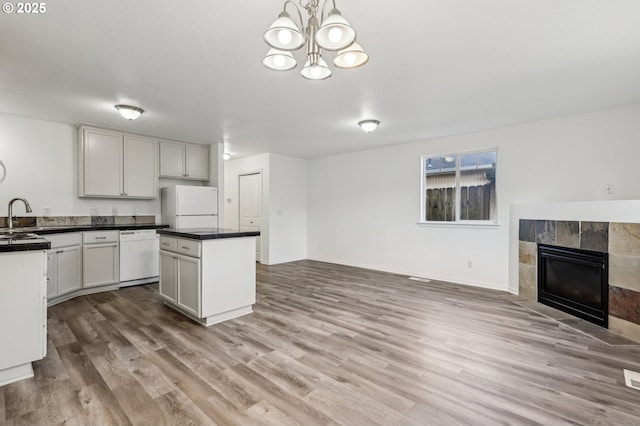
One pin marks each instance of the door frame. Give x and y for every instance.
(249, 173)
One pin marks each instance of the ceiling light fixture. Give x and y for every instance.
(226, 156)
(333, 33)
(369, 125)
(129, 112)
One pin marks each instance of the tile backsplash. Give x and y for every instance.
(32, 221)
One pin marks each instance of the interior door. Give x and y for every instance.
(251, 205)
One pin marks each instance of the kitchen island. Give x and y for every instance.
(208, 274)
(23, 304)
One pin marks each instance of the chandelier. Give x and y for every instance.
(333, 33)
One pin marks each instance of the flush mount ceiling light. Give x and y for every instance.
(129, 112)
(331, 33)
(368, 125)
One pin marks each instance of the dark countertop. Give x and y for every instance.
(206, 233)
(45, 230)
(11, 244)
(32, 243)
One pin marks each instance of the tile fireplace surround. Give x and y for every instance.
(620, 240)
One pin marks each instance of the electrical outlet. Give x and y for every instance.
(469, 264)
(319, 247)
(94, 211)
(608, 188)
(46, 211)
(114, 211)
(136, 211)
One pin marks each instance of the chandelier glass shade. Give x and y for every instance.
(279, 60)
(332, 33)
(351, 57)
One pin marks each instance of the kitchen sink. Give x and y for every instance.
(18, 236)
(22, 229)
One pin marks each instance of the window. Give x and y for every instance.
(459, 187)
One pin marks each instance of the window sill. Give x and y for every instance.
(476, 225)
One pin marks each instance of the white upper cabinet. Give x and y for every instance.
(197, 160)
(184, 161)
(101, 158)
(140, 167)
(116, 165)
(172, 162)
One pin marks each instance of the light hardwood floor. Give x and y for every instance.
(326, 344)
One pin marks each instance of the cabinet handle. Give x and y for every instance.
(166, 244)
(186, 247)
(101, 238)
(174, 257)
(59, 251)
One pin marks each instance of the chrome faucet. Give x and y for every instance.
(26, 205)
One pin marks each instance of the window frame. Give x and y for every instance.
(457, 222)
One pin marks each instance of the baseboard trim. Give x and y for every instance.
(453, 280)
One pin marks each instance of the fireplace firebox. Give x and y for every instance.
(574, 281)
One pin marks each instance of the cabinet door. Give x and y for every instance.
(189, 284)
(69, 269)
(52, 274)
(102, 157)
(101, 264)
(197, 159)
(172, 160)
(168, 275)
(23, 328)
(140, 167)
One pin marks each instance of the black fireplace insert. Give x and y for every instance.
(575, 281)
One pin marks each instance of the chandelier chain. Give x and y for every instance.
(311, 6)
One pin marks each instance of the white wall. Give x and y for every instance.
(363, 206)
(216, 177)
(41, 159)
(284, 204)
(287, 209)
(232, 171)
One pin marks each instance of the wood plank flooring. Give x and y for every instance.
(326, 345)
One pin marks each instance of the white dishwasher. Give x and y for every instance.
(139, 256)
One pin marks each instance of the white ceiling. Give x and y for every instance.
(436, 68)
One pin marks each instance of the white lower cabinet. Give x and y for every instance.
(189, 284)
(64, 264)
(23, 302)
(101, 258)
(65, 271)
(169, 276)
(211, 280)
(180, 274)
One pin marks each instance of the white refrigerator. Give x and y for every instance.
(186, 206)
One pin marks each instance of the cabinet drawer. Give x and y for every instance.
(97, 237)
(64, 240)
(189, 247)
(168, 243)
